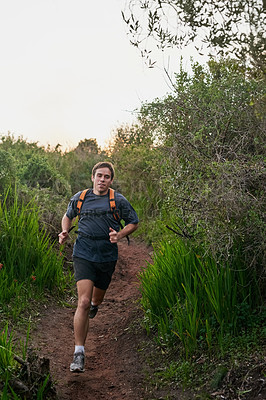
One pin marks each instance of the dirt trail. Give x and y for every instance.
(113, 369)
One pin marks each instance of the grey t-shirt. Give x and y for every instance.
(96, 218)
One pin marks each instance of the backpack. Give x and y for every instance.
(112, 204)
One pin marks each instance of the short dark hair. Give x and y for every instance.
(104, 164)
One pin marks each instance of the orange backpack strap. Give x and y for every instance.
(80, 201)
(112, 198)
(114, 209)
(112, 204)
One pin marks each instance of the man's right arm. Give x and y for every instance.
(66, 225)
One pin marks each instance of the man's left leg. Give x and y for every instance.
(101, 284)
(97, 299)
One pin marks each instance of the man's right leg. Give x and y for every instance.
(81, 322)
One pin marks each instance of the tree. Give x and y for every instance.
(227, 26)
(88, 146)
(212, 132)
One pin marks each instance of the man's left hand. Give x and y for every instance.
(113, 235)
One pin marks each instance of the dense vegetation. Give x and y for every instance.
(193, 167)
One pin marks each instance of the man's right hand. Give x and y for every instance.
(63, 237)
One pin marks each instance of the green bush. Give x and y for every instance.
(7, 170)
(37, 172)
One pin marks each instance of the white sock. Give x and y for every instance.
(79, 349)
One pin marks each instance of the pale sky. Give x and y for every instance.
(68, 71)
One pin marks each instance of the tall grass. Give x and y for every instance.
(187, 297)
(7, 363)
(29, 263)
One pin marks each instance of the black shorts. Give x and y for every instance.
(99, 273)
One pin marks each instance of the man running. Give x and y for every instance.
(95, 251)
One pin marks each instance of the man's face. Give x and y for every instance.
(101, 181)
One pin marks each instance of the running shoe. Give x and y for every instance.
(78, 362)
(93, 311)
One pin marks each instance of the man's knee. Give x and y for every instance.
(84, 303)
